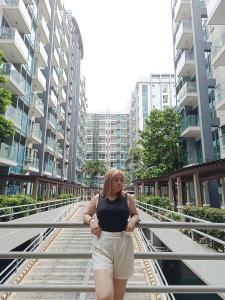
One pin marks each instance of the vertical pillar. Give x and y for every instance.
(171, 196)
(35, 189)
(4, 186)
(142, 189)
(48, 193)
(188, 203)
(222, 181)
(206, 194)
(179, 194)
(156, 188)
(198, 200)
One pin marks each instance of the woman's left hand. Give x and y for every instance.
(130, 226)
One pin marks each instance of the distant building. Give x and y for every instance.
(154, 92)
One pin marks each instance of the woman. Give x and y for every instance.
(112, 251)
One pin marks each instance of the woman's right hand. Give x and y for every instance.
(95, 228)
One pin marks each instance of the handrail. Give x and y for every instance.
(184, 289)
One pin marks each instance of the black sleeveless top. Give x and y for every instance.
(112, 215)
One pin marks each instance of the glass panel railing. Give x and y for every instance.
(60, 129)
(218, 44)
(52, 119)
(220, 94)
(13, 76)
(40, 47)
(14, 115)
(7, 152)
(51, 143)
(191, 120)
(32, 161)
(48, 166)
(37, 103)
(191, 157)
(187, 88)
(35, 131)
(9, 33)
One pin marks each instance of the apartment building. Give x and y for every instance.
(43, 50)
(108, 138)
(154, 92)
(216, 35)
(195, 86)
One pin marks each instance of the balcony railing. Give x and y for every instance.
(37, 103)
(219, 48)
(189, 121)
(187, 88)
(32, 161)
(8, 152)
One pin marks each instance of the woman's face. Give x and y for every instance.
(117, 183)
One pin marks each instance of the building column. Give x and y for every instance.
(171, 196)
(136, 191)
(179, 194)
(48, 192)
(4, 186)
(198, 200)
(35, 189)
(142, 189)
(206, 194)
(156, 188)
(188, 203)
(222, 181)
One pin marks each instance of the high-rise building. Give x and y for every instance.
(43, 50)
(195, 86)
(216, 35)
(108, 138)
(154, 92)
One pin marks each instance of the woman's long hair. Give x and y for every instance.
(108, 180)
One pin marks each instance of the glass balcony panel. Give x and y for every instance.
(190, 127)
(45, 8)
(14, 115)
(187, 95)
(51, 143)
(36, 106)
(15, 81)
(220, 97)
(8, 155)
(54, 78)
(31, 163)
(52, 99)
(215, 12)
(34, 134)
(40, 54)
(16, 14)
(38, 81)
(218, 51)
(184, 35)
(42, 29)
(48, 167)
(13, 46)
(52, 119)
(186, 65)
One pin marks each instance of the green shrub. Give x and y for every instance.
(65, 196)
(156, 201)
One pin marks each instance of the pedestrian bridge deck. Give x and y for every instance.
(75, 271)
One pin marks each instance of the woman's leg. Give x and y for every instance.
(103, 284)
(119, 286)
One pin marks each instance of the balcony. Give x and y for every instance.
(38, 81)
(190, 127)
(36, 108)
(41, 55)
(15, 81)
(13, 46)
(31, 164)
(45, 9)
(62, 96)
(59, 3)
(34, 134)
(59, 152)
(14, 115)
(61, 114)
(52, 122)
(218, 51)
(182, 10)
(50, 145)
(8, 155)
(56, 38)
(215, 12)
(64, 60)
(63, 78)
(57, 173)
(42, 29)
(60, 132)
(55, 58)
(58, 18)
(220, 98)
(187, 95)
(191, 158)
(48, 168)
(186, 64)
(54, 78)
(65, 44)
(52, 102)
(184, 35)
(16, 14)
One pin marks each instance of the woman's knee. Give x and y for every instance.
(104, 294)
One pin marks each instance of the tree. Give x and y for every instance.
(93, 169)
(134, 162)
(160, 140)
(6, 126)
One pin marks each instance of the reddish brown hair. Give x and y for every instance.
(108, 180)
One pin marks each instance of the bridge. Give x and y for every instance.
(56, 262)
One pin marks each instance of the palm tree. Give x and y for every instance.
(134, 162)
(93, 169)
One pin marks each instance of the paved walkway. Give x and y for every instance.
(78, 271)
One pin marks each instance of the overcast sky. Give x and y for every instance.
(123, 40)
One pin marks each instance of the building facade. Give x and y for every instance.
(43, 50)
(108, 138)
(195, 87)
(154, 92)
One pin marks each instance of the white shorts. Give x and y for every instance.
(114, 251)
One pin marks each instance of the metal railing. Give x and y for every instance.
(151, 209)
(146, 255)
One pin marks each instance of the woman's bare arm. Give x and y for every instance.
(90, 210)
